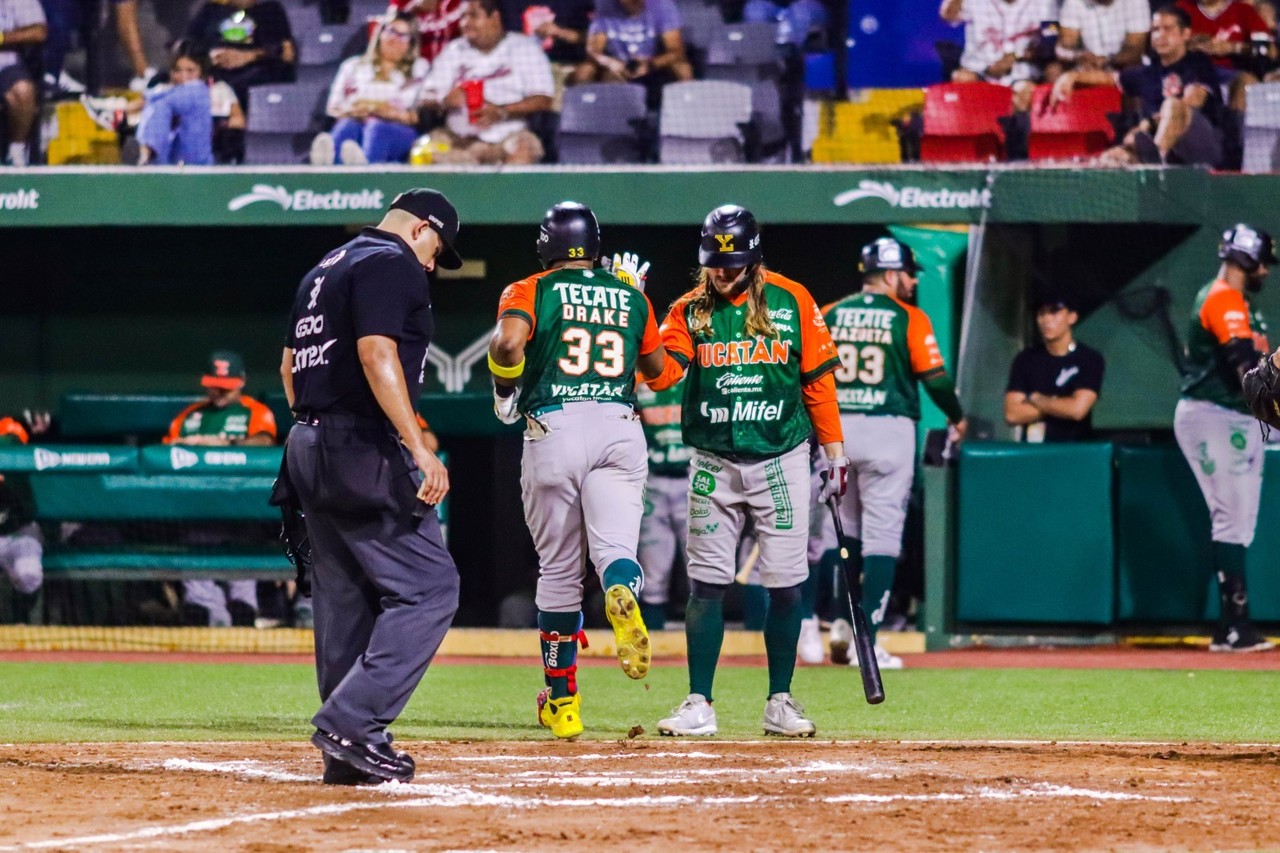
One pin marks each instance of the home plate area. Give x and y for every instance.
(646, 795)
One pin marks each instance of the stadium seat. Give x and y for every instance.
(1076, 128)
(743, 52)
(1262, 128)
(281, 122)
(702, 122)
(599, 123)
(363, 10)
(303, 20)
(961, 122)
(701, 21)
(770, 133)
(321, 52)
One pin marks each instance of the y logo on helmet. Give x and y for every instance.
(725, 241)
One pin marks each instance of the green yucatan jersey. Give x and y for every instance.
(588, 329)
(1220, 313)
(743, 395)
(884, 346)
(660, 416)
(241, 419)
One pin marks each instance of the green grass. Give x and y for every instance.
(44, 702)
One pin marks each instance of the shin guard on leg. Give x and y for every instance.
(559, 634)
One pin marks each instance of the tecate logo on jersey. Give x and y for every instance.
(304, 200)
(915, 197)
(20, 200)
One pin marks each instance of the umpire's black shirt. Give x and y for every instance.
(1036, 370)
(372, 285)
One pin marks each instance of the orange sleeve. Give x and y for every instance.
(817, 352)
(672, 372)
(518, 301)
(1225, 314)
(675, 332)
(824, 412)
(261, 419)
(10, 427)
(175, 428)
(922, 344)
(652, 339)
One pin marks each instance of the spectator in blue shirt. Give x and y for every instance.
(635, 41)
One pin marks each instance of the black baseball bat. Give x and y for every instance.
(872, 685)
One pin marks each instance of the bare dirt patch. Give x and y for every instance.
(647, 794)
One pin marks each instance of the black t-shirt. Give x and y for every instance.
(263, 24)
(1036, 370)
(373, 285)
(570, 14)
(1151, 84)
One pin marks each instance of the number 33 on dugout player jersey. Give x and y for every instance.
(586, 331)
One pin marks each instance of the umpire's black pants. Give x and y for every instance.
(384, 587)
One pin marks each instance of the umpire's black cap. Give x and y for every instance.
(437, 211)
(1247, 247)
(887, 253)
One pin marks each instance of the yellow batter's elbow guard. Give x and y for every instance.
(504, 372)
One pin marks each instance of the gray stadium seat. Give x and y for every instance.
(743, 52)
(700, 22)
(598, 124)
(281, 122)
(363, 10)
(701, 122)
(766, 109)
(330, 44)
(303, 20)
(1262, 128)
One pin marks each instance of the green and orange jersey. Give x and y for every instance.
(236, 421)
(586, 331)
(885, 347)
(755, 396)
(660, 415)
(1220, 315)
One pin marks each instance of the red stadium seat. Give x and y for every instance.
(1076, 128)
(961, 122)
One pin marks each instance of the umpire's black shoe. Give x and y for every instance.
(376, 759)
(1240, 637)
(341, 773)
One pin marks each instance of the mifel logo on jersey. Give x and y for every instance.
(758, 351)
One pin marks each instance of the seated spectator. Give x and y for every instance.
(439, 22)
(797, 20)
(635, 41)
(1000, 38)
(21, 543)
(374, 98)
(180, 120)
(225, 417)
(1054, 384)
(248, 42)
(1103, 33)
(22, 24)
(561, 26)
(487, 84)
(1177, 97)
(1236, 38)
(65, 17)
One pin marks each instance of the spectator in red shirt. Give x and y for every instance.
(1224, 28)
(439, 22)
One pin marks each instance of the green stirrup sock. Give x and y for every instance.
(654, 615)
(704, 633)
(877, 581)
(755, 604)
(781, 633)
(563, 658)
(625, 572)
(809, 590)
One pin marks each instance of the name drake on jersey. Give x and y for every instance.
(587, 303)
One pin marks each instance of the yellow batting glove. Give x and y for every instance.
(626, 267)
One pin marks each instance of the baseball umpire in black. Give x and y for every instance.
(384, 587)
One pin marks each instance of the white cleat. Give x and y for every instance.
(840, 638)
(809, 648)
(886, 660)
(695, 716)
(784, 716)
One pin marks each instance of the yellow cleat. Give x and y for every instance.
(562, 716)
(629, 632)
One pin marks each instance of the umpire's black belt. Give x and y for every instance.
(306, 417)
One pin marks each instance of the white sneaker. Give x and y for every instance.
(69, 84)
(840, 638)
(784, 716)
(886, 660)
(352, 154)
(695, 716)
(139, 84)
(809, 648)
(19, 156)
(103, 111)
(322, 150)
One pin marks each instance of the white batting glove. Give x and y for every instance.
(835, 480)
(626, 267)
(505, 407)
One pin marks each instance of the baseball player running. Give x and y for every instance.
(664, 529)
(564, 358)
(886, 345)
(1214, 430)
(759, 362)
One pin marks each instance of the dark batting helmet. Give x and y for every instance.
(569, 232)
(887, 254)
(1247, 247)
(730, 238)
